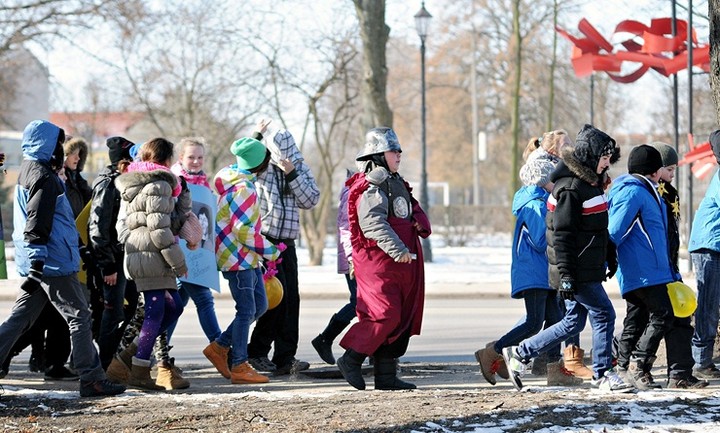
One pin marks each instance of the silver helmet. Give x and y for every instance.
(379, 140)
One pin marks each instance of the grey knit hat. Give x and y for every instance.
(668, 153)
(537, 172)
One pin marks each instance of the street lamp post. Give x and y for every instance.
(422, 22)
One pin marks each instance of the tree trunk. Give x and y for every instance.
(553, 65)
(374, 34)
(515, 118)
(714, 15)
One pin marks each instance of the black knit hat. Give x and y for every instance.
(119, 149)
(644, 159)
(591, 144)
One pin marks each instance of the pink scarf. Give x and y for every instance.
(199, 178)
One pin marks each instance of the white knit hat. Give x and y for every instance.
(537, 172)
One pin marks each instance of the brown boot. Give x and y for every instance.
(169, 376)
(218, 356)
(489, 361)
(558, 375)
(244, 373)
(573, 357)
(140, 375)
(117, 371)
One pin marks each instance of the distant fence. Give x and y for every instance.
(459, 225)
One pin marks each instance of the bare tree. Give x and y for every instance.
(374, 33)
(191, 72)
(714, 13)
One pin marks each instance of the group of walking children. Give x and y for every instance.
(569, 238)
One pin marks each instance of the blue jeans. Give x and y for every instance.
(541, 308)
(204, 303)
(707, 273)
(590, 299)
(248, 291)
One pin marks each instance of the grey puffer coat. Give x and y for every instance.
(153, 258)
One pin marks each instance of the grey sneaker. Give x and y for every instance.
(515, 365)
(689, 382)
(708, 372)
(612, 382)
(292, 367)
(262, 364)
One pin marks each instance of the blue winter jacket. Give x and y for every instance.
(44, 224)
(529, 269)
(638, 227)
(706, 225)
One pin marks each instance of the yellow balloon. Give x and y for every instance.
(274, 291)
(682, 298)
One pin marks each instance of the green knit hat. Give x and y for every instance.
(668, 153)
(250, 152)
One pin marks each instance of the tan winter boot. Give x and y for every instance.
(244, 373)
(491, 363)
(573, 357)
(169, 376)
(140, 375)
(558, 375)
(119, 369)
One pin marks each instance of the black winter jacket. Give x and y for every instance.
(78, 190)
(104, 244)
(577, 222)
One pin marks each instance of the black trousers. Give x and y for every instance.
(280, 325)
(648, 320)
(55, 345)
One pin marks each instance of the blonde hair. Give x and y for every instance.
(553, 140)
(191, 142)
(532, 145)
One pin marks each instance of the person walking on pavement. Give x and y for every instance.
(340, 320)
(47, 255)
(704, 248)
(638, 228)
(240, 250)
(529, 278)
(578, 250)
(108, 252)
(386, 224)
(283, 189)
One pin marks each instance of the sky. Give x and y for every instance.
(645, 93)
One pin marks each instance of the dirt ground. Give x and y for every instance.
(450, 398)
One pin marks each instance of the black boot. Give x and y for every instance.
(350, 365)
(323, 342)
(385, 370)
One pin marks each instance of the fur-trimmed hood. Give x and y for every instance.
(77, 143)
(577, 167)
(130, 184)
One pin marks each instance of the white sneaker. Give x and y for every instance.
(612, 382)
(516, 367)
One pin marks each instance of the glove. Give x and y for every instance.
(34, 278)
(612, 263)
(567, 288)
(86, 257)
